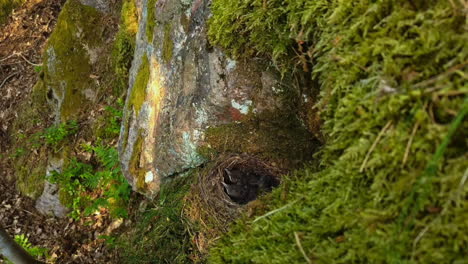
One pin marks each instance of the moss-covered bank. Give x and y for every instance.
(392, 77)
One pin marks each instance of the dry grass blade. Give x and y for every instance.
(273, 212)
(410, 142)
(299, 245)
(382, 132)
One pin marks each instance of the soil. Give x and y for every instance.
(22, 40)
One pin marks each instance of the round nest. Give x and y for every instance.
(233, 181)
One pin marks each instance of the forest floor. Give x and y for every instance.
(22, 41)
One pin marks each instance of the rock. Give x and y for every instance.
(73, 55)
(179, 87)
(101, 5)
(49, 202)
(74, 59)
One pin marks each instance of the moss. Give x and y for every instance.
(138, 94)
(30, 172)
(122, 57)
(129, 17)
(30, 159)
(168, 44)
(274, 136)
(161, 233)
(151, 20)
(126, 133)
(378, 76)
(68, 67)
(135, 163)
(124, 46)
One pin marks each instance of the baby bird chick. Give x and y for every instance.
(235, 191)
(234, 175)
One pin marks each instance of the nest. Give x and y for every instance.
(212, 184)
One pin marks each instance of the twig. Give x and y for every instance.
(408, 146)
(364, 163)
(7, 57)
(26, 211)
(28, 61)
(298, 242)
(24, 58)
(7, 78)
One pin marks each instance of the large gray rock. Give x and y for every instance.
(180, 86)
(49, 201)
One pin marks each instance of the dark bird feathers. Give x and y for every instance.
(243, 187)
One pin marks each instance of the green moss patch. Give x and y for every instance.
(391, 85)
(68, 67)
(168, 44)
(151, 20)
(129, 17)
(30, 173)
(135, 166)
(124, 45)
(138, 95)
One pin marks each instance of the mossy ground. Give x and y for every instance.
(161, 233)
(392, 78)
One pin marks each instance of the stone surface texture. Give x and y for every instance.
(191, 86)
(49, 202)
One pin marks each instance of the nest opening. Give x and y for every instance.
(244, 182)
(214, 202)
(235, 180)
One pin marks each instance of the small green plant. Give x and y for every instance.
(18, 152)
(114, 119)
(38, 68)
(35, 252)
(56, 134)
(85, 188)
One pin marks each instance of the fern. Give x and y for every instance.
(78, 180)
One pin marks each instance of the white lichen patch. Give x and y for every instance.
(201, 115)
(243, 108)
(51, 60)
(149, 177)
(191, 156)
(231, 65)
